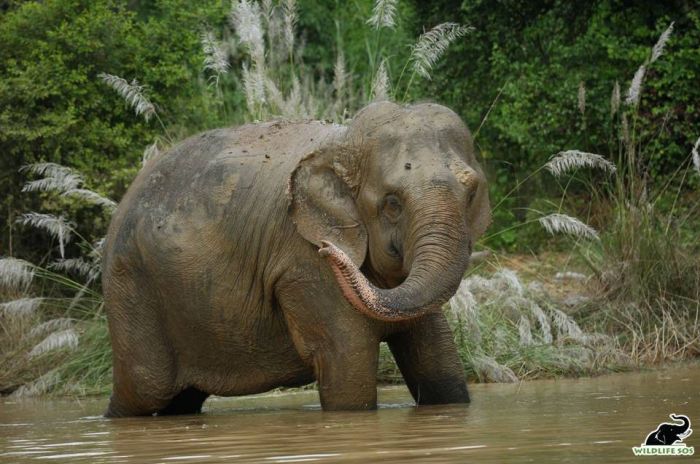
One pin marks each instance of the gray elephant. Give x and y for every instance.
(276, 254)
(667, 434)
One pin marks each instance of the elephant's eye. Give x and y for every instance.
(392, 208)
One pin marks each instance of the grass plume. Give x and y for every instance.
(55, 178)
(432, 45)
(561, 223)
(16, 274)
(660, 45)
(215, 56)
(133, 93)
(56, 226)
(569, 160)
(383, 14)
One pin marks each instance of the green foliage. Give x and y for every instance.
(527, 59)
(53, 107)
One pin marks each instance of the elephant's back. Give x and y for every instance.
(211, 195)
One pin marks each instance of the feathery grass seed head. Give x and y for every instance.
(57, 226)
(92, 197)
(340, 74)
(615, 99)
(635, 90)
(40, 386)
(381, 87)
(696, 155)
(566, 327)
(565, 161)
(432, 45)
(658, 49)
(79, 266)
(561, 223)
(289, 8)
(488, 368)
(525, 332)
(21, 307)
(133, 93)
(215, 54)
(67, 338)
(383, 14)
(15, 273)
(582, 97)
(56, 178)
(246, 18)
(53, 325)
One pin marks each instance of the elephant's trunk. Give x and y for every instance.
(439, 251)
(684, 419)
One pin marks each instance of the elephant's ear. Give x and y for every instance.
(322, 204)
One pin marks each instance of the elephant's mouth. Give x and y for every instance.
(395, 250)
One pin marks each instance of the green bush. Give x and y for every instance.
(527, 59)
(53, 107)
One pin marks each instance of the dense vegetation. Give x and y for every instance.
(530, 78)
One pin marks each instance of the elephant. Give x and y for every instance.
(667, 434)
(281, 253)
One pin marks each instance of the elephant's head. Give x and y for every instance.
(396, 206)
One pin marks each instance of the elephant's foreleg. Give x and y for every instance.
(341, 345)
(347, 376)
(427, 357)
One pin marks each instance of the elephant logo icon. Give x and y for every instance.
(669, 434)
(667, 439)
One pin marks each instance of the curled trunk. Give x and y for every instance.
(440, 253)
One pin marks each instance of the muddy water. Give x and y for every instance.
(585, 420)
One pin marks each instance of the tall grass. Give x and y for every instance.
(55, 342)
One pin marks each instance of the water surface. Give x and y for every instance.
(583, 420)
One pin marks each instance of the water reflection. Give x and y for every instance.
(562, 421)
